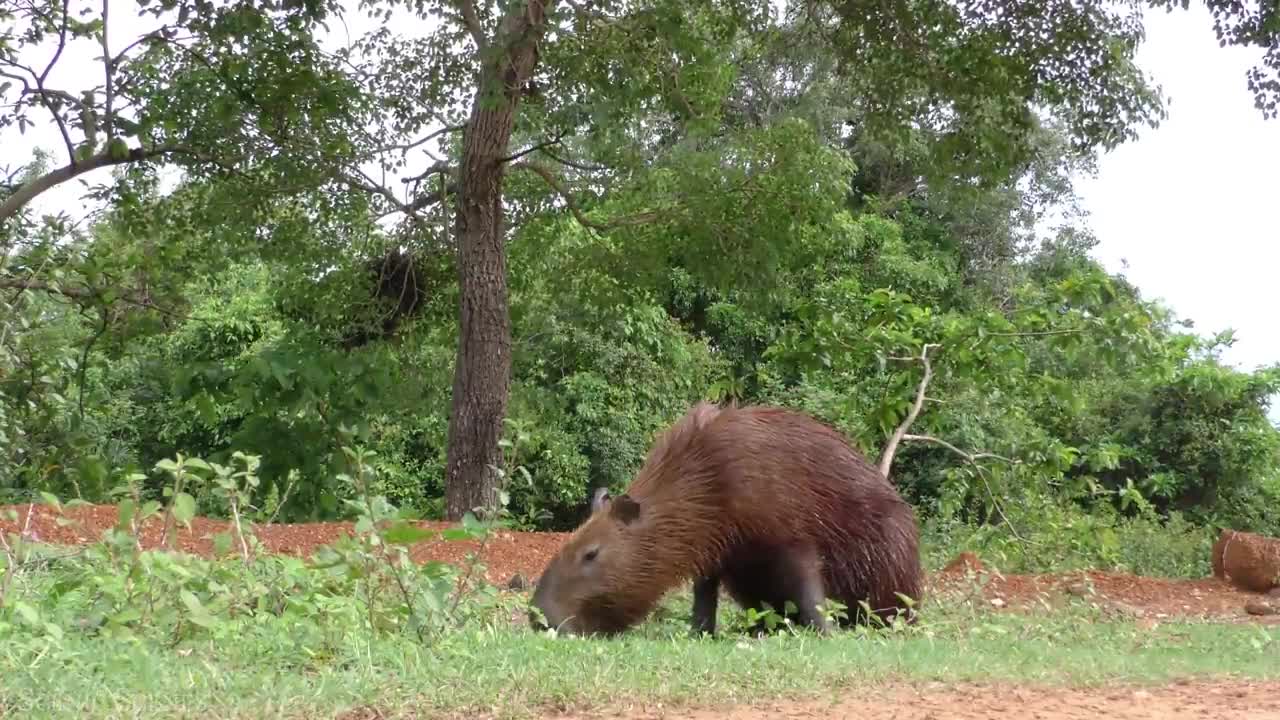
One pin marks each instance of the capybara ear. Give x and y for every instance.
(599, 500)
(625, 509)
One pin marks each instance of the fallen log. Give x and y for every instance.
(1247, 560)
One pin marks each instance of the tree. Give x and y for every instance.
(192, 90)
(639, 79)
(652, 123)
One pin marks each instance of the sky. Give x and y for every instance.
(1184, 211)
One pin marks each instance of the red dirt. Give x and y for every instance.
(1147, 598)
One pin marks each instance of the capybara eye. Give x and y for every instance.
(590, 555)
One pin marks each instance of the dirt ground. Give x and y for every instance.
(1179, 701)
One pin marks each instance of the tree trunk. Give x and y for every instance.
(482, 370)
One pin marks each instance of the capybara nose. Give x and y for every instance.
(535, 621)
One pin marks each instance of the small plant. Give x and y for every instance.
(236, 489)
(182, 505)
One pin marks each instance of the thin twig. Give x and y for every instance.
(551, 179)
(971, 457)
(535, 148)
(108, 103)
(575, 164)
(1038, 333)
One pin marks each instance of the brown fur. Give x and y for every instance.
(753, 497)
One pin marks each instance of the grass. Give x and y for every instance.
(268, 672)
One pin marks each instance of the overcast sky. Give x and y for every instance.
(1191, 205)
(1187, 206)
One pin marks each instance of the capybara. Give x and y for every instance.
(769, 502)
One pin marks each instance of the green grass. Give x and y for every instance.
(267, 672)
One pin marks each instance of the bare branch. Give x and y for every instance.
(361, 181)
(576, 165)
(468, 10)
(890, 449)
(62, 95)
(423, 140)
(108, 69)
(40, 79)
(72, 293)
(971, 457)
(535, 148)
(551, 179)
(46, 96)
(62, 45)
(1038, 333)
(157, 34)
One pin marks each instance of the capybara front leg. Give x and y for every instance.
(805, 581)
(706, 598)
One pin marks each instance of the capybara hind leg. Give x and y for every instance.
(706, 598)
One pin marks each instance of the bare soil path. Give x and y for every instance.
(1225, 700)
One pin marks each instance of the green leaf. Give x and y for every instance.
(197, 613)
(51, 499)
(184, 508)
(124, 514)
(403, 533)
(222, 543)
(26, 612)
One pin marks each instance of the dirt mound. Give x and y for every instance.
(509, 553)
(1247, 560)
(965, 562)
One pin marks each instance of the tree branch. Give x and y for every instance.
(31, 190)
(71, 293)
(367, 184)
(551, 180)
(108, 68)
(585, 167)
(971, 457)
(423, 140)
(1038, 333)
(468, 10)
(62, 125)
(534, 148)
(891, 448)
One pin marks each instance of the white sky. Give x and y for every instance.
(1187, 206)
(1190, 206)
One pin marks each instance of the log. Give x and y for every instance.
(1247, 560)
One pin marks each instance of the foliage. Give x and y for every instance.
(701, 201)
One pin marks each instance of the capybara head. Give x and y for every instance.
(577, 593)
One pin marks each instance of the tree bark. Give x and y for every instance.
(482, 370)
